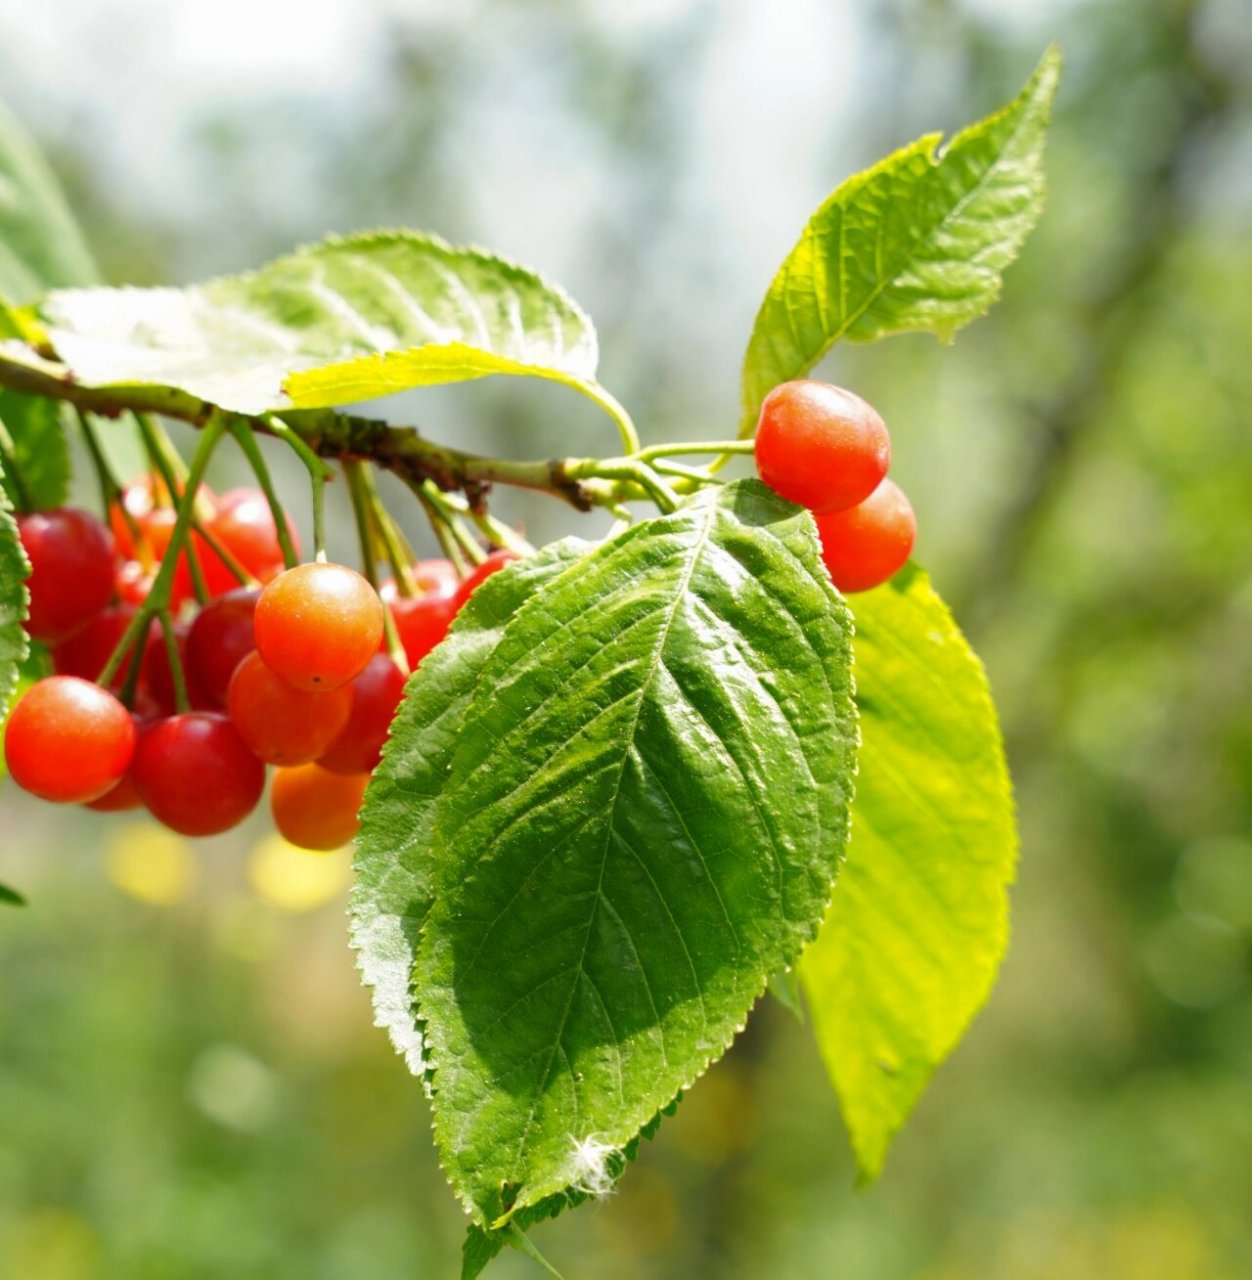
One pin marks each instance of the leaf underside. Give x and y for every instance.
(919, 919)
(916, 243)
(640, 822)
(346, 320)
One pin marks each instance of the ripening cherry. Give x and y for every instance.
(376, 694)
(71, 577)
(87, 652)
(196, 775)
(435, 577)
(221, 636)
(68, 740)
(315, 808)
(421, 621)
(120, 798)
(820, 446)
(244, 525)
(280, 723)
(865, 545)
(496, 561)
(317, 625)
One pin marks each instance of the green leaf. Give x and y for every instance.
(14, 569)
(11, 896)
(919, 920)
(482, 1244)
(335, 323)
(916, 243)
(41, 246)
(37, 430)
(642, 821)
(391, 889)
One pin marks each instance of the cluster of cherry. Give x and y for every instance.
(294, 673)
(827, 449)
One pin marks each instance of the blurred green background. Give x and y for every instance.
(190, 1085)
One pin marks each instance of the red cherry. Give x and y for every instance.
(317, 809)
(119, 798)
(421, 621)
(160, 678)
(71, 578)
(496, 561)
(317, 625)
(244, 525)
(221, 636)
(820, 446)
(435, 577)
(68, 740)
(376, 694)
(87, 652)
(865, 545)
(280, 723)
(196, 774)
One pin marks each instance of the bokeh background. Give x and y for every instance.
(190, 1085)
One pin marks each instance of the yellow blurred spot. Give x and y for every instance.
(53, 1244)
(293, 879)
(150, 863)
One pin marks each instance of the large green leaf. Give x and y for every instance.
(919, 919)
(13, 599)
(343, 321)
(41, 246)
(642, 821)
(917, 242)
(391, 889)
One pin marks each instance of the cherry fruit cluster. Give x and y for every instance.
(282, 667)
(826, 449)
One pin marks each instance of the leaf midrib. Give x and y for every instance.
(697, 551)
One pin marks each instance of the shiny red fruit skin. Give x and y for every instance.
(496, 561)
(71, 579)
(316, 809)
(421, 622)
(867, 544)
(244, 525)
(280, 723)
(119, 798)
(68, 740)
(196, 774)
(221, 636)
(376, 694)
(317, 625)
(820, 446)
(159, 678)
(86, 652)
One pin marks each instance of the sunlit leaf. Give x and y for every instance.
(642, 821)
(917, 242)
(347, 320)
(919, 919)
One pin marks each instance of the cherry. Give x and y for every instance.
(496, 561)
(196, 774)
(280, 723)
(87, 652)
(221, 636)
(317, 625)
(376, 694)
(159, 678)
(68, 740)
(435, 577)
(820, 446)
(421, 621)
(865, 545)
(71, 578)
(244, 525)
(317, 809)
(119, 798)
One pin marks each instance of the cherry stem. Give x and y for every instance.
(182, 703)
(242, 432)
(495, 531)
(395, 546)
(452, 517)
(439, 526)
(319, 476)
(8, 456)
(694, 446)
(158, 597)
(368, 533)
